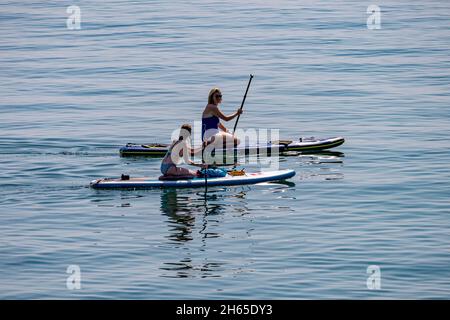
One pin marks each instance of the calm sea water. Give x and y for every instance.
(138, 69)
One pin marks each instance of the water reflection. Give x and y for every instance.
(194, 218)
(181, 217)
(187, 269)
(182, 210)
(323, 166)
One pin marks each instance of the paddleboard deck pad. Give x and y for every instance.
(303, 145)
(228, 180)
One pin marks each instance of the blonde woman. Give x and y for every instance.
(212, 129)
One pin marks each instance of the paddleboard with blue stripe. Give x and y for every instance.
(228, 180)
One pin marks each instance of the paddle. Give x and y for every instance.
(242, 107)
(204, 145)
(242, 104)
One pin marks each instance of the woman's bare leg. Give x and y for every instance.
(224, 138)
(177, 171)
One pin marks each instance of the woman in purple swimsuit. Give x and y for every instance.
(211, 120)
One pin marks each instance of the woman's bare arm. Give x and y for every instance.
(216, 111)
(200, 149)
(222, 127)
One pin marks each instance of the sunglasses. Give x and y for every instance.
(218, 95)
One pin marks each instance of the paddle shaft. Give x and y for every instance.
(206, 175)
(242, 104)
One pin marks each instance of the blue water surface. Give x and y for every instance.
(137, 70)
